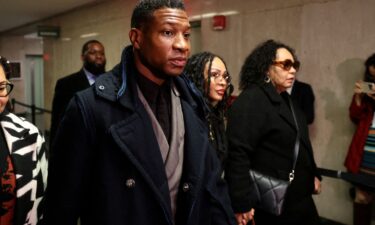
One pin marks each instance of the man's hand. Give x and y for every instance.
(317, 186)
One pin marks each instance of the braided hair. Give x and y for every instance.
(194, 69)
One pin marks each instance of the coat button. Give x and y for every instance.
(130, 183)
(186, 187)
(101, 87)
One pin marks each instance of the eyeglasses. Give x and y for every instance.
(5, 88)
(288, 64)
(217, 76)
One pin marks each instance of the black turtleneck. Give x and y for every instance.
(159, 99)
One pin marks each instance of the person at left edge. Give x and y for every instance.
(93, 58)
(23, 163)
(133, 148)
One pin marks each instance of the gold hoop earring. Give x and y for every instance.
(267, 79)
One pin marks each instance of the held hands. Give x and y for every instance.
(317, 186)
(244, 218)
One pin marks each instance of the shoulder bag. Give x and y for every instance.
(268, 193)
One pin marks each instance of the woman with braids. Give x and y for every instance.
(209, 73)
(262, 134)
(23, 163)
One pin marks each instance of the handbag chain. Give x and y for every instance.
(296, 146)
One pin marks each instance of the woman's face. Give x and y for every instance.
(219, 80)
(281, 74)
(3, 100)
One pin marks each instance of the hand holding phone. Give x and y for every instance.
(368, 87)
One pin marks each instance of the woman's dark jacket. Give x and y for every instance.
(261, 135)
(107, 167)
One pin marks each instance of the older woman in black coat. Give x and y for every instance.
(262, 135)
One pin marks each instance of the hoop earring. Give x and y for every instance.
(267, 79)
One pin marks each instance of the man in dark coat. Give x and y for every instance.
(133, 149)
(93, 58)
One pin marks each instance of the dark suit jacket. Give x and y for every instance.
(107, 166)
(261, 135)
(303, 95)
(65, 89)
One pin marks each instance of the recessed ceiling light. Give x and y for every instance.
(94, 34)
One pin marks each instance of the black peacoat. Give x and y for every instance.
(65, 89)
(261, 135)
(107, 168)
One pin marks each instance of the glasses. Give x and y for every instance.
(288, 64)
(5, 88)
(217, 76)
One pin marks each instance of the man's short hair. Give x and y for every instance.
(85, 46)
(144, 10)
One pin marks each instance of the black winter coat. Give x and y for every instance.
(261, 135)
(107, 167)
(65, 89)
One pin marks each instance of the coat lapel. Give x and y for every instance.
(278, 101)
(136, 138)
(196, 147)
(196, 141)
(286, 114)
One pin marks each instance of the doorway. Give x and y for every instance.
(34, 87)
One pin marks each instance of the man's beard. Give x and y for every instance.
(94, 68)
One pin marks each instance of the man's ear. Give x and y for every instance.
(135, 36)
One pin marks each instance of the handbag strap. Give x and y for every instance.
(296, 146)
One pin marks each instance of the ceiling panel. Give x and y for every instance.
(15, 13)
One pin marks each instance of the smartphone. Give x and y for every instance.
(368, 87)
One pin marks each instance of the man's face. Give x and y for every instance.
(164, 43)
(94, 59)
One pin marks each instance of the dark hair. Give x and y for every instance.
(144, 10)
(85, 46)
(194, 69)
(5, 64)
(369, 62)
(259, 61)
